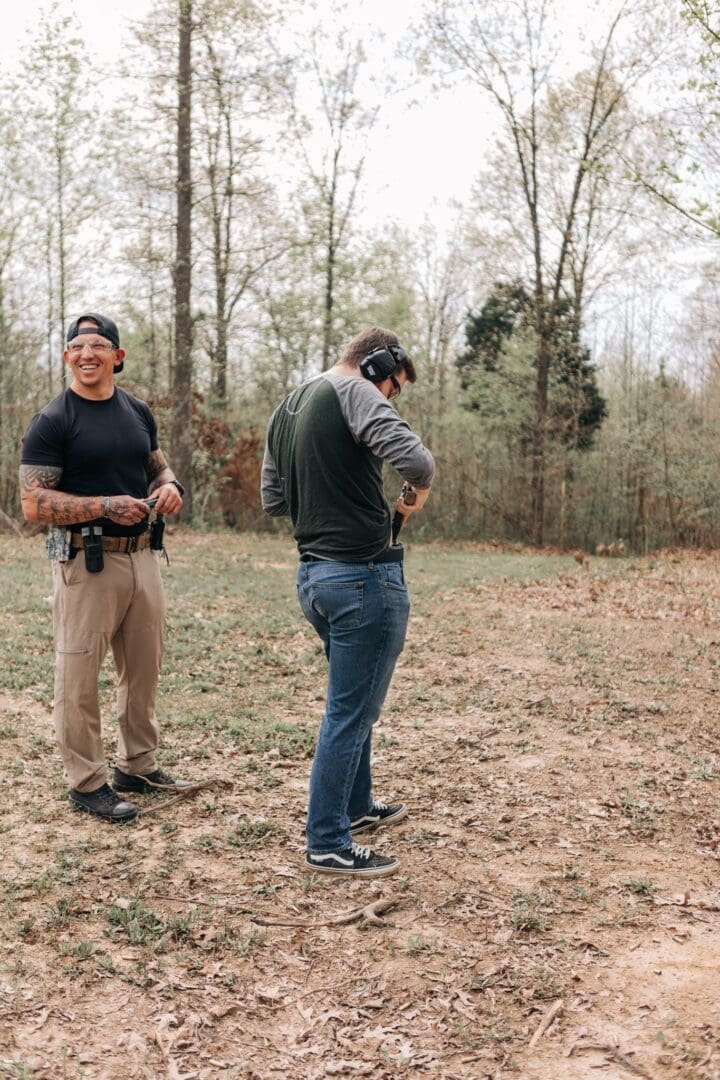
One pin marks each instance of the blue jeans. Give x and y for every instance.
(360, 611)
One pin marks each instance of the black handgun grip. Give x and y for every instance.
(398, 520)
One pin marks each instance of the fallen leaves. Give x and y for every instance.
(533, 708)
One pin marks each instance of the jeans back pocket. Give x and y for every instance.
(339, 602)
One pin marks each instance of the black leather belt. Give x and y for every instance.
(390, 554)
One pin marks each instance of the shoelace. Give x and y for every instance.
(107, 796)
(380, 806)
(159, 777)
(360, 852)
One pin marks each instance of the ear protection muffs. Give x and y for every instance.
(382, 362)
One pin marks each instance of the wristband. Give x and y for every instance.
(178, 485)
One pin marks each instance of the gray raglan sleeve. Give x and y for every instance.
(271, 492)
(373, 421)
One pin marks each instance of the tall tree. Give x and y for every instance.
(576, 408)
(443, 293)
(181, 430)
(148, 253)
(58, 156)
(333, 152)
(240, 233)
(15, 346)
(235, 230)
(508, 53)
(682, 170)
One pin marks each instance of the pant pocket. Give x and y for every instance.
(72, 570)
(73, 646)
(341, 603)
(396, 591)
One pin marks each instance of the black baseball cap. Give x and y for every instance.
(105, 327)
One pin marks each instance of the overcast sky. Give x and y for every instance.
(423, 154)
(421, 157)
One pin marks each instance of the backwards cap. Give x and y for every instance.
(105, 327)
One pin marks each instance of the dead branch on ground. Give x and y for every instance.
(369, 915)
(186, 793)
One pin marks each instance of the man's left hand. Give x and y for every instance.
(168, 498)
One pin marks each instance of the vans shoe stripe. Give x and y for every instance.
(334, 857)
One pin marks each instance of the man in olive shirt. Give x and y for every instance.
(325, 450)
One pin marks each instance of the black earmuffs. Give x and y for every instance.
(382, 362)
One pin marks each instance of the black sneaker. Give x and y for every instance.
(355, 861)
(104, 803)
(158, 780)
(381, 814)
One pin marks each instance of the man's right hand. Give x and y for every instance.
(421, 497)
(124, 510)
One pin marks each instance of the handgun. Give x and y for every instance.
(409, 496)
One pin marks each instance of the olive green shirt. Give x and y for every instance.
(326, 444)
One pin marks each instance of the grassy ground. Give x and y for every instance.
(553, 729)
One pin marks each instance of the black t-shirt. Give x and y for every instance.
(102, 448)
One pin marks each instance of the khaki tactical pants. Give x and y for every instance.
(123, 606)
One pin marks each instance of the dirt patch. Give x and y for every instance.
(556, 742)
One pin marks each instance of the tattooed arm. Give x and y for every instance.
(42, 502)
(161, 479)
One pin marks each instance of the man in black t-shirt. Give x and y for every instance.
(90, 459)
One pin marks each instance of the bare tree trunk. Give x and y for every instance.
(537, 483)
(153, 358)
(331, 255)
(666, 474)
(329, 304)
(50, 343)
(181, 436)
(221, 336)
(221, 261)
(61, 248)
(153, 341)
(4, 379)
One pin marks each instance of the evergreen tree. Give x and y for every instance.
(576, 408)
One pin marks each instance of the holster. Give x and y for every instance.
(92, 545)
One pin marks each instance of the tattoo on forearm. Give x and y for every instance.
(44, 504)
(59, 508)
(123, 510)
(159, 472)
(156, 463)
(39, 476)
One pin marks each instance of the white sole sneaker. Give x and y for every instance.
(380, 815)
(355, 861)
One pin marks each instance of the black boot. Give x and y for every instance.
(104, 803)
(158, 780)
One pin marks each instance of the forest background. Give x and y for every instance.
(241, 187)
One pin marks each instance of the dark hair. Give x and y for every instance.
(374, 337)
